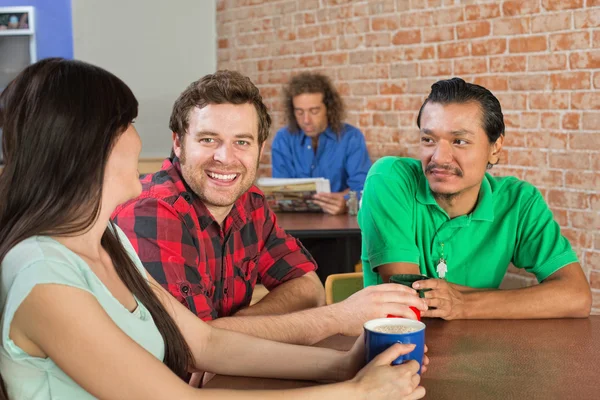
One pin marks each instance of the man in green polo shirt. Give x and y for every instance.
(445, 217)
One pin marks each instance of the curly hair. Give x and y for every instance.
(308, 82)
(222, 87)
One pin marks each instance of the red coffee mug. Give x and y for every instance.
(415, 310)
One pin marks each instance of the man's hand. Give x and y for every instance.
(331, 203)
(376, 302)
(446, 297)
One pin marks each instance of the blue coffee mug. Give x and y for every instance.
(378, 342)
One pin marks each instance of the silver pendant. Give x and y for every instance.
(442, 268)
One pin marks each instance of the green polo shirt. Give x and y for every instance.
(401, 222)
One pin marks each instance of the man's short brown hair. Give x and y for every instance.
(222, 87)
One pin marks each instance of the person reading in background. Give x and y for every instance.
(317, 143)
(445, 217)
(81, 318)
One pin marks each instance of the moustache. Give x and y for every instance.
(456, 171)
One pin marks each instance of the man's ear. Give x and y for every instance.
(495, 151)
(177, 144)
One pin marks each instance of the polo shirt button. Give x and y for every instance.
(308, 147)
(312, 166)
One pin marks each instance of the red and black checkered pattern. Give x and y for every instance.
(209, 269)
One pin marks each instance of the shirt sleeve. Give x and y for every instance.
(38, 273)
(166, 248)
(541, 248)
(283, 256)
(386, 218)
(358, 161)
(281, 156)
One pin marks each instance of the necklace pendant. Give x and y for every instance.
(442, 268)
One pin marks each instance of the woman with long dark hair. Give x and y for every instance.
(80, 316)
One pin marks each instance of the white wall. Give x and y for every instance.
(157, 47)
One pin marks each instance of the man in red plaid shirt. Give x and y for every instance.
(206, 234)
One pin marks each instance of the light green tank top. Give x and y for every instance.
(42, 260)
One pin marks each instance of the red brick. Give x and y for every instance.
(560, 198)
(512, 120)
(527, 158)
(407, 37)
(335, 59)
(544, 177)
(363, 88)
(508, 64)
(527, 44)
(570, 160)
(389, 55)
(514, 138)
(420, 85)
(308, 32)
(521, 7)
(384, 23)
(579, 239)
(561, 4)
(550, 121)
(596, 39)
(569, 41)
(377, 39)
(528, 82)
(585, 141)
(438, 34)
(436, 68)
(512, 101)
(571, 121)
(547, 140)
(379, 104)
(448, 16)
(551, 22)
(549, 101)
(381, 7)
(585, 101)
(595, 279)
(470, 66)
(570, 80)
(488, 46)
(451, 50)
(510, 26)
(483, 11)
(356, 26)
(595, 202)
(393, 87)
(404, 103)
(419, 53)
(405, 70)
(362, 57)
(547, 62)
(331, 29)
(561, 217)
(327, 44)
(493, 83)
(416, 19)
(585, 60)
(349, 42)
(589, 18)
(473, 30)
(530, 120)
(385, 119)
(583, 180)
(597, 80)
(365, 119)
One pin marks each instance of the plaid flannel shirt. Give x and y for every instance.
(209, 269)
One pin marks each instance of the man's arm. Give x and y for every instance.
(358, 161)
(313, 325)
(387, 270)
(564, 294)
(281, 156)
(294, 295)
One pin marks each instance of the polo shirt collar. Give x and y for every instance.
(328, 133)
(484, 210)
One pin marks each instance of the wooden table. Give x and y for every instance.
(338, 234)
(493, 359)
(303, 225)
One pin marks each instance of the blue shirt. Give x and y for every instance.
(343, 159)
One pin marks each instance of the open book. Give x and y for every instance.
(293, 194)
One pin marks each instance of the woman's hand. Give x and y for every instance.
(381, 380)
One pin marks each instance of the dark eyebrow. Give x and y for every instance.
(206, 133)
(460, 132)
(244, 136)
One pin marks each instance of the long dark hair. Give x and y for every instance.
(60, 119)
(310, 82)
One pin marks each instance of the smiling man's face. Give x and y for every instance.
(219, 153)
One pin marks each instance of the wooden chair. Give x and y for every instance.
(339, 287)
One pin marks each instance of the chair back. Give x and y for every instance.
(339, 287)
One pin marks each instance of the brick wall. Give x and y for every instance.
(540, 57)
